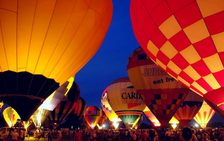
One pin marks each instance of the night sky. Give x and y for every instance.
(110, 62)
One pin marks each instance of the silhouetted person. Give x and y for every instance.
(187, 135)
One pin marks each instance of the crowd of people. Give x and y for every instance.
(12, 134)
(185, 134)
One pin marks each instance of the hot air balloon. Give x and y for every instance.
(69, 91)
(186, 39)
(189, 108)
(75, 118)
(111, 115)
(43, 43)
(79, 107)
(102, 122)
(59, 94)
(37, 118)
(92, 116)
(162, 94)
(151, 117)
(174, 122)
(59, 115)
(204, 115)
(11, 116)
(125, 101)
(3, 106)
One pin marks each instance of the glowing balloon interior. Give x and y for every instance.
(10, 116)
(174, 122)
(204, 115)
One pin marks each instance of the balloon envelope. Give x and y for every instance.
(189, 108)
(204, 115)
(125, 101)
(59, 115)
(37, 118)
(11, 116)
(112, 116)
(174, 122)
(75, 118)
(43, 43)
(92, 116)
(186, 40)
(162, 93)
(59, 94)
(79, 107)
(102, 121)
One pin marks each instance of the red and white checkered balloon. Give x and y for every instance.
(186, 39)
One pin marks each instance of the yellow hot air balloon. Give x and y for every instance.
(38, 117)
(204, 115)
(112, 116)
(125, 101)
(174, 122)
(43, 43)
(11, 116)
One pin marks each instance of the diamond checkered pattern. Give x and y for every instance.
(164, 106)
(185, 38)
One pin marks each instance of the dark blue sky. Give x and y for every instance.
(110, 62)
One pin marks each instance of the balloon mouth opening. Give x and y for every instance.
(23, 87)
